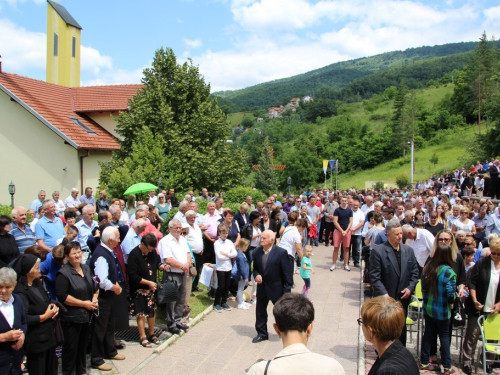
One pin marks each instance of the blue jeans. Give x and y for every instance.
(355, 246)
(434, 328)
(316, 240)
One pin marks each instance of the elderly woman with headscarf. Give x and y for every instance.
(40, 343)
(13, 325)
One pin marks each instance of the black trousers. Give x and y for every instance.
(328, 229)
(103, 334)
(223, 280)
(75, 347)
(208, 251)
(261, 317)
(199, 267)
(405, 303)
(44, 363)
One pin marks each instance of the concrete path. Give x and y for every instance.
(222, 342)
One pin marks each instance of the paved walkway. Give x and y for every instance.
(222, 342)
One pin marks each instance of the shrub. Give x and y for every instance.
(5, 209)
(379, 185)
(402, 180)
(240, 193)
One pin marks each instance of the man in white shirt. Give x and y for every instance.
(195, 239)
(153, 199)
(421, 241)
(358, 220)
(133, 237)
(72, 200)
(183, 207)
(174, 251)
(368, 206)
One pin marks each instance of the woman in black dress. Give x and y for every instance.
(8, 245)
(40, 342)
(143, 262)
(76, 289)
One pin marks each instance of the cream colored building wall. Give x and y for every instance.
(106, 121)
(34, 157)
(91, 167)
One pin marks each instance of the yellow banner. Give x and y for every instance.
(325, 163)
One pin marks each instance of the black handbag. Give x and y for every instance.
(168, 290)
(458, 313)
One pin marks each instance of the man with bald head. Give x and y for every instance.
(274, 277)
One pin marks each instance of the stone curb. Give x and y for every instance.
(361, 337)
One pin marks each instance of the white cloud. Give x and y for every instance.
(92, 61)
(114, 76)
(193, 43)
(492, 17)
(23, 49)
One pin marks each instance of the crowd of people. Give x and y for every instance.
(66, 269)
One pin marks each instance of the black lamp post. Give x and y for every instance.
(159, 183)
(289, 182)
(12, 191)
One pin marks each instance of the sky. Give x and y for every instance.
(237, 43)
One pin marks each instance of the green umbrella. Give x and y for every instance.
(140, 187)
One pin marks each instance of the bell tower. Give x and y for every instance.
(63, 46)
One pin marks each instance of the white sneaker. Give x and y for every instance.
(247, 304)
(332, 268)
(347, 268)
(243, 307)
(254, 301)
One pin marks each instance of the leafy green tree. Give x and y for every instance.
(175, 105)
(434, 159)
(399, 121)
(266, 177)
(402, 181)
(247, 122)
(146, 163)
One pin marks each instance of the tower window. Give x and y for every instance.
(83, 126)
(73, 47)
(56, 44)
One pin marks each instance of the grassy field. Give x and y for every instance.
(236, 118)
(451, 152)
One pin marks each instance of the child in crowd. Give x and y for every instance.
(71, 234)
(468, 255)
(306, 269)
(241, 275)
(224, 251)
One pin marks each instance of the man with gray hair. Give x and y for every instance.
(108, 272)
(133, 237)
(72, 200)
(183, 207)
(421, 241)
(22, 233)
(49, 228)
(39, 201)
(368, 206)
(85, 228)
(394, 269)
(195, 240)
(174, 251)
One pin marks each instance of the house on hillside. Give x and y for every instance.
(259, 119)
(54, 134)
(295, 101)
(275, 112)
(307, 98)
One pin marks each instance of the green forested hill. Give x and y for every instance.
(363, 76)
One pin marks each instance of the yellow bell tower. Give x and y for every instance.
(63, 46)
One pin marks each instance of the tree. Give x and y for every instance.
(175, 106)
(247, 122)
(399, 121)
(266, 177)
(434, 159)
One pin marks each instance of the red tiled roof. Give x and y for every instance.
(103, 98)
(295, 99)
(54, 104)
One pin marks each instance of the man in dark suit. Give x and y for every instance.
(393, 269)
(274, 277)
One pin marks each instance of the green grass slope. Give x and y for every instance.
(451, 152)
